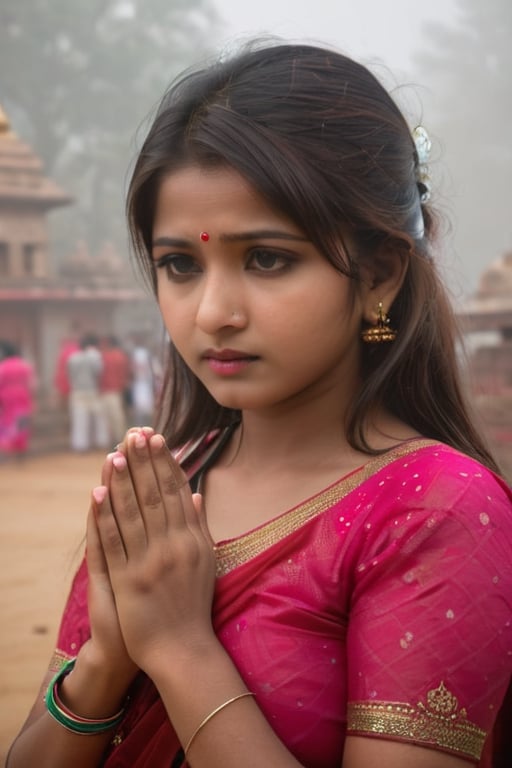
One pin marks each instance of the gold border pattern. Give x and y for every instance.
(58, 660)
(437, 723)
(236, 552)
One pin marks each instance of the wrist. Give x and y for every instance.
(114, 667)
(71, 720)
(94, 689)
(177, 671)
(186, 656)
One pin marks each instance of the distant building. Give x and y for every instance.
(487, 321)
(39, 305)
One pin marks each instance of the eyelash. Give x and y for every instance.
(170, 262)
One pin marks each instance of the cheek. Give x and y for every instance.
(317, 314)
(173, 315)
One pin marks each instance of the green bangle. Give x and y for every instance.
(66, 718)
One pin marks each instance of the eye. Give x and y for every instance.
(268, 260)
(178, 265)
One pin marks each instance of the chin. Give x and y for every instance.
(239, 401)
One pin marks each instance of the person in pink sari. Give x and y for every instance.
(309, 564)
(17, 383)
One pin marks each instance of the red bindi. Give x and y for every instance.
(204, 236)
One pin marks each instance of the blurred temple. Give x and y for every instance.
(41, 305)
(487, 321)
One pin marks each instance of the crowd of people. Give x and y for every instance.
(106, 386)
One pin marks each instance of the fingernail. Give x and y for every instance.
(99, 494)
(140, 440)
(157, 442)
(119, 461)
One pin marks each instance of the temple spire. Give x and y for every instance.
(5, 126)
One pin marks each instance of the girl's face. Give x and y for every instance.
(254, 309)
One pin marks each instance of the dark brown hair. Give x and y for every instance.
(324, 143)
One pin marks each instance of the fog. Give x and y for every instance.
(369, 30)
(77, 88)
(396, 39)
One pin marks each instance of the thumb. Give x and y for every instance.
(96, 563)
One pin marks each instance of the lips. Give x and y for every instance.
(228, 362)
(227, 355)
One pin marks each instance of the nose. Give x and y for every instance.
(221, 303)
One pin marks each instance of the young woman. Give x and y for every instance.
(332, 587)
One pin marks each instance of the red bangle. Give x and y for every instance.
(74, 716)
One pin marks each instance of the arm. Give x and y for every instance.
(44, 742)
(361, 752)
(429, 639)
(162, 569)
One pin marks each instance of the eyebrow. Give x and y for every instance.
(260, 234)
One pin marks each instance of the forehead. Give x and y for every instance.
(205, 183)
(215, 195)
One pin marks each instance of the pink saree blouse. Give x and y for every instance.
(381, 606)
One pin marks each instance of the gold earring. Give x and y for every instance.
(381, 332)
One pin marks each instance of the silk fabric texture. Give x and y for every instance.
(381, 606)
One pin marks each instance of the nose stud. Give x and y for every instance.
(204, 236)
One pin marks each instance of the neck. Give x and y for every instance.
(294, 436)
(293, 432)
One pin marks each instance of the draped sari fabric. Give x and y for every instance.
(381, 606)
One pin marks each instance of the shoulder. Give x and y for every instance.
(441, 476)
(430, 491)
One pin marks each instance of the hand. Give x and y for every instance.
(106, 643)
(158, 551)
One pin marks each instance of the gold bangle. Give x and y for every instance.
(212, 714)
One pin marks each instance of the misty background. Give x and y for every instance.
(79, 79)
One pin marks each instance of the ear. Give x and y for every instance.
(382, 276)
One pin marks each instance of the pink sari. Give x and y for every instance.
(382, 607)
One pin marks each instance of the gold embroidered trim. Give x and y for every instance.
(437, 723)
(58, 660)
(234, 553)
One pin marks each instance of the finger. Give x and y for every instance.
(174, 487)
(106, 470)
(148, 431)
(105, 528)
(122, 445)
(96, 563)
(146, 485)
(126, 508)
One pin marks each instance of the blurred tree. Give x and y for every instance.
(79, 77)
(468, 70)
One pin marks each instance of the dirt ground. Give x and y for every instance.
(43, 507)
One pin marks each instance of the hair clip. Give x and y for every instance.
(423, 146)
